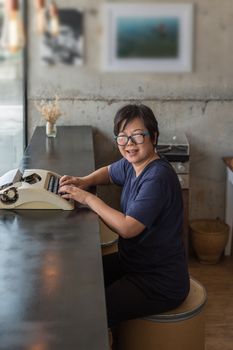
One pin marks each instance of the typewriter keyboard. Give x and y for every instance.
(53, 184)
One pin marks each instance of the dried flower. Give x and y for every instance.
(50, 110)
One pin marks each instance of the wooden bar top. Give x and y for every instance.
(229, 162)
(51, 279)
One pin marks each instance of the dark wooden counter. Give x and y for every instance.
(51, 282)
(71, 152)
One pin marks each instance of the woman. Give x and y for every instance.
(149, 273)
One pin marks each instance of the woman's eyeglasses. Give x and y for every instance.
(137, 139)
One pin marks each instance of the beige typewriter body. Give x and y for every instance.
(34, 189)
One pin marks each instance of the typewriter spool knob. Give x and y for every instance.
(9, 196)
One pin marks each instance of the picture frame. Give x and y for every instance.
(147, 37)
(67, 48)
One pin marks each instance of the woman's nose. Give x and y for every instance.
(130, 141)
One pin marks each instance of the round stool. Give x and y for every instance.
(108, 239)
(182, 328)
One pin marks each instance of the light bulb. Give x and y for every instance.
(13, 33)
(54, 20)
(40, 16)
(41, 21)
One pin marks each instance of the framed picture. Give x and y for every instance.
(68, 46)
(147, 37)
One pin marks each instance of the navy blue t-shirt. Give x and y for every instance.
(155, 259)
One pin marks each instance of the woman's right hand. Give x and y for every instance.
(73, 180)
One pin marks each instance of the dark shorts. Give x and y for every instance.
(124, 299)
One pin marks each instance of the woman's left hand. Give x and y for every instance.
(73, 192)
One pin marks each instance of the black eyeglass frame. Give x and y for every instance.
(131, 137)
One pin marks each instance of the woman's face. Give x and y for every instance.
(137, 154)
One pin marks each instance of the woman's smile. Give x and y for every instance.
(132, 152)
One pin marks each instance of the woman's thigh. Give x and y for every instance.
(111, 268)
(124, 300)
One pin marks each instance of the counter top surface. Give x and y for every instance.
(51, 279)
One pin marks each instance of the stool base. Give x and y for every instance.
(146, 335)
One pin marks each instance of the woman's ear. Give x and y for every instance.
(155, 139)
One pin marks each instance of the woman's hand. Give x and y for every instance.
(76, 193)
(73, 180)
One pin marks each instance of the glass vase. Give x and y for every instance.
(51, 129)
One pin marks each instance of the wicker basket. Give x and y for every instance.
(209, 238)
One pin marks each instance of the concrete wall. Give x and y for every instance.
(198, 103)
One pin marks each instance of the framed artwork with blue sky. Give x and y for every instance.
(147, 37)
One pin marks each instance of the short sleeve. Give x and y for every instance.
(117, 172)
(149, 202)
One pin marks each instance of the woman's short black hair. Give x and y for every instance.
(131, 111)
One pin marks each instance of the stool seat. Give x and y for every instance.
(182, 328)
(108, 239)
(191, 306)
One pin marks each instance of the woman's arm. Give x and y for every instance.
(125, 226)
(98, 177)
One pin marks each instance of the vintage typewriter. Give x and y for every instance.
(32, 189)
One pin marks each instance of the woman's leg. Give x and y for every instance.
(112, 273)
(111, 268)
(124, 300)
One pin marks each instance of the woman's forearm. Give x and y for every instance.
(98, 177)
(123, 225)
